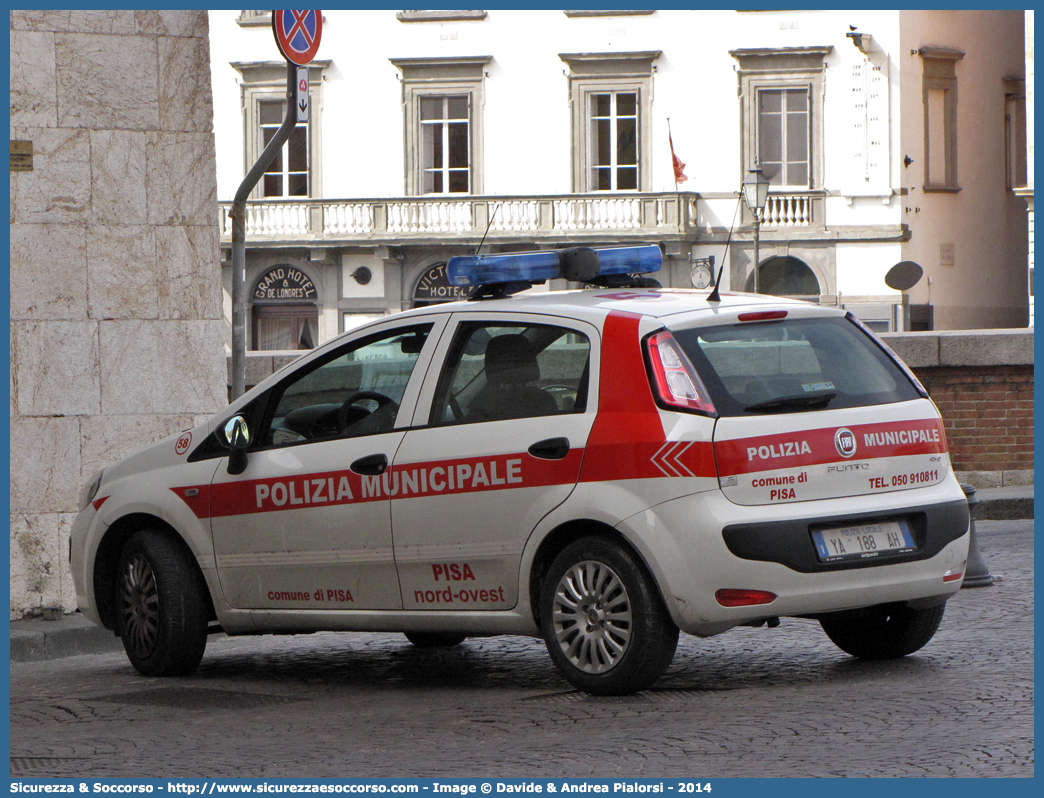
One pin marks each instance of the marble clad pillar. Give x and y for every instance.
(117, 336)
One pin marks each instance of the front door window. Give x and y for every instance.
(356, 392)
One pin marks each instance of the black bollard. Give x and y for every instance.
(976, 572)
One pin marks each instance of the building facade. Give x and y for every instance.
(1026, 191)
(885, 136)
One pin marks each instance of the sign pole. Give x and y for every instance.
(297, 34)
(238, 215)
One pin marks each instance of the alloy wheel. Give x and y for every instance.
(592, 616)
(139, 605)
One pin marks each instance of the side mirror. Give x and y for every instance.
(236, 433)
(236, 436)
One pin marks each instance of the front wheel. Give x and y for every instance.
(602, 619)
(886, 632)
(162, 606)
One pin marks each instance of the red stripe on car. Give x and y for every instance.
(812, 447)
(627, 439)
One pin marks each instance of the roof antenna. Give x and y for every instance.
(488, 225)
(714, 295)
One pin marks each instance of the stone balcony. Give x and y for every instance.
(553, 219)
(550, 218)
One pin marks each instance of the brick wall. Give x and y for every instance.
(988, 412)
(982, 382)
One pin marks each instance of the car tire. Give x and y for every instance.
(162, 609)
(887, 632)
(435, 639)
(603, 621)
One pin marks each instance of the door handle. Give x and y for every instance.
(550, 449)
(372, 465)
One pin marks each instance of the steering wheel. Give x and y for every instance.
(349, 405)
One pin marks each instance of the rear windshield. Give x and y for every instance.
(793, 365)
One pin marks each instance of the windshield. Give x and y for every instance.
(793, 365)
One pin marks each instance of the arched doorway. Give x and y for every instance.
(785, 276)
(433, 287)
(283, 310)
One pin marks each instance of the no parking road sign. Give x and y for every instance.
(297, 33)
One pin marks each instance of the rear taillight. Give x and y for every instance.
(735, 597)
(674, 377)
(955, 573)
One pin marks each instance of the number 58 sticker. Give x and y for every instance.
(183, 443)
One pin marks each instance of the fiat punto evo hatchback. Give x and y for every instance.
(600, 467)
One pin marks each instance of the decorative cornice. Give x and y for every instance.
(439, 16)
(773, 58)
(468, 67)
(601, 64)
(947, 53)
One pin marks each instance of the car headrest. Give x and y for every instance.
(511, 359)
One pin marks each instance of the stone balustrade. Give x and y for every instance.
(402, 219)
(788, 210)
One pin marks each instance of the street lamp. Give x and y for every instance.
(755, 194)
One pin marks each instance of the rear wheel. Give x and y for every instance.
(603, 621)
(435, 639)
(162, 606)
(886, 632)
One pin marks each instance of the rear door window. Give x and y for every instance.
(503, 370)
(793, 365)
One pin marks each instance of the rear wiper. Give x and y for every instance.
(801, 401)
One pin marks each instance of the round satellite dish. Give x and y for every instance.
(903, 276)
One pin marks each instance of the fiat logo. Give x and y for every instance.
(845, 442)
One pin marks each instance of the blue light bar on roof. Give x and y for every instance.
(488, 269)
(535, 267)
(629, 260)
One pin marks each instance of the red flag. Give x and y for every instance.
(679, 165)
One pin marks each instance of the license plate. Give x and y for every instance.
(863, 542)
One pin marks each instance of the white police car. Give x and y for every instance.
(600, 467)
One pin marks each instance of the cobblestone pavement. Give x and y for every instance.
(748, 703)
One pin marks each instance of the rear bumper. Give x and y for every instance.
(700, 544)
(787, 542)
